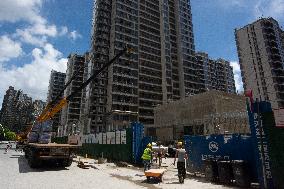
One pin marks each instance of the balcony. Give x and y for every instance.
(276, 64)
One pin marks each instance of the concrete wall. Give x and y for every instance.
(217, 111)
(165, 134)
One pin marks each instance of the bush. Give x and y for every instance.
(10, 135)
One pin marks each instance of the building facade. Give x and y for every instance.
(85, 98)
(56, 84)
(161, 68)
(261, 55)
(70, 114)
(211, 112)
(9, 108)
(17, 110)
(217, 74)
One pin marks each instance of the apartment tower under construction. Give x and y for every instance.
(161, 68)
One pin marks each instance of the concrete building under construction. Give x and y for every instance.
(17, 110)
(217, 74)
(212, 112)
(70, 114)
(56, 84)
(161, 68)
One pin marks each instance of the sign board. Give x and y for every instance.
(123, 137)
(279, 117)
(260, 142)
(117, 137)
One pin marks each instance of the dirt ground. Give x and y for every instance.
(136, 176)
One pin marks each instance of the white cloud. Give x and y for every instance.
(63, 31)
(9, 49)
(271, 8)
(258, 8)
(21, 10)
(38, 29)
(232, 3)
(33, 78)
(43, 29)
(36, 34)
(74, 35)
(27, 37)
(237, 76)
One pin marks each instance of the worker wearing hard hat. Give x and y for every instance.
(147, 157)
(182, 156)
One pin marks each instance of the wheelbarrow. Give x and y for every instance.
(155, 173)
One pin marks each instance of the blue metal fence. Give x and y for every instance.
(137, 136)
(219, 147)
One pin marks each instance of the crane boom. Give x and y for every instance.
(51, 110)
(49, 105)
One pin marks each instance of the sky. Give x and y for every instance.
(37, 36)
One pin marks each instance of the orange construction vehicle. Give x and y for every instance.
(23, 136)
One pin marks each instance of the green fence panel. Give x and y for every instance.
(115, 152)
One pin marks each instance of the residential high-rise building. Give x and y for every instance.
(85, 100)
(56, 84)
(225, 76)
(161, 68)
(217, 74)
(261, 54)
(9, 108)
(17, 110)
(70, 114)
(24, 110)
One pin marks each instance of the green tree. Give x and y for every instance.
(10, 135)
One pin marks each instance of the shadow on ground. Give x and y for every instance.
(204, 180)
(46, 165)
(151, 181)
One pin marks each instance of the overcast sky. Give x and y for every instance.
(36, 36)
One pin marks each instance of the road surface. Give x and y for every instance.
(16, 174)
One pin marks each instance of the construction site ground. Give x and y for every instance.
(135, 175)
(16, 174)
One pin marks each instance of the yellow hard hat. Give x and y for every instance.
(179, 143)
(149, 145)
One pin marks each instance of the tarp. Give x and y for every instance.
(33, 137)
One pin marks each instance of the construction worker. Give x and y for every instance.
(182, 156)
(147, 157)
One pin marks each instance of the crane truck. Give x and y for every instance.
(37, 153)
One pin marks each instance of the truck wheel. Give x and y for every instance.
(33, 161)
(67, 162)
(148, 179)
(26, 154)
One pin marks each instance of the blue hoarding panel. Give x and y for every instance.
(260, 143)
(219, 147)
(138, 134)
